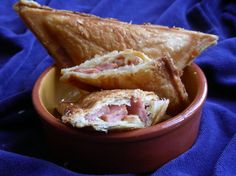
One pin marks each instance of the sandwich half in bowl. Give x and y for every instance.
(115, 109)
(131, 69)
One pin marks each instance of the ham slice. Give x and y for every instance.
(114, 113)
(87, 70)
(118, 62)
(106, 66)
(99, 113)
(137, 108)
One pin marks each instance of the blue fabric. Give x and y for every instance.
(22, 60)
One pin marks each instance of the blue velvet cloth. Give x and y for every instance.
(23, 59)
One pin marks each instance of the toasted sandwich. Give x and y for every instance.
(115, 110)
(72, 37)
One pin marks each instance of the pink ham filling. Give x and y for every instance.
(118, 62)
(114, 113)
(137, 108)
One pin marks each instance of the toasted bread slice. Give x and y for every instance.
(71, 38)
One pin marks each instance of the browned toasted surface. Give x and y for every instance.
(73, 37)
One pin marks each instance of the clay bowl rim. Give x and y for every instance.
(124, 136)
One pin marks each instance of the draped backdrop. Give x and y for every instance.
(23, 59)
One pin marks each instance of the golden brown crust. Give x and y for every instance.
(72, 38)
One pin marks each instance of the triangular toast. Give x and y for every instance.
(71, 38)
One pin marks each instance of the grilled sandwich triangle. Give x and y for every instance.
(71, 38)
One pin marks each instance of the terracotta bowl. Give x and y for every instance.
(137, 151)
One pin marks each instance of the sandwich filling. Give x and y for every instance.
(114, 113)
(118, 62)
(113, 60)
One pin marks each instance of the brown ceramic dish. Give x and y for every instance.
(137, 151)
